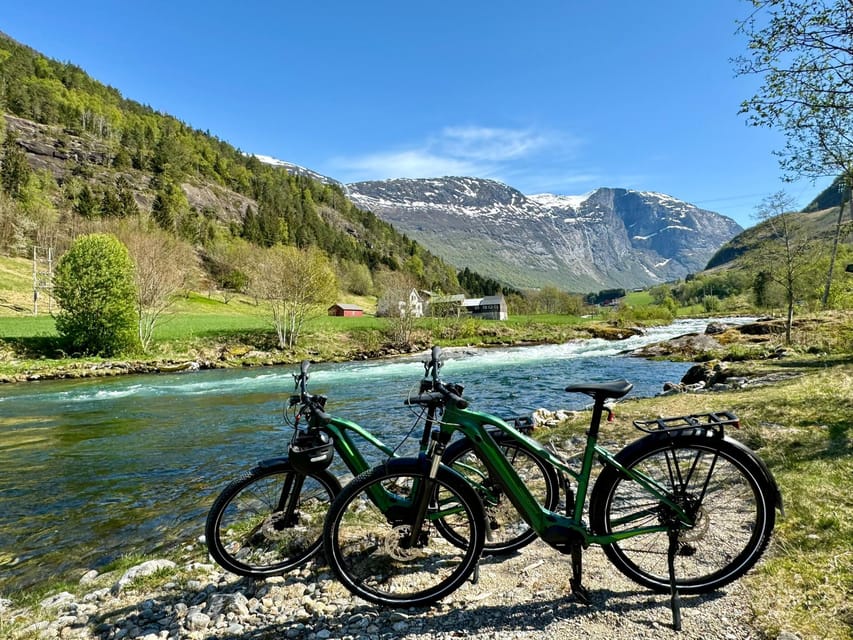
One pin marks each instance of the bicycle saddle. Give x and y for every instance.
(604, 390)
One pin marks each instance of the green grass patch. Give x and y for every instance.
(27, 326)
(639, 299)
(803, 429)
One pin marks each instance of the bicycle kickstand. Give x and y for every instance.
(580, 591)
(674, 597)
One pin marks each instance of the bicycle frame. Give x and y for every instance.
(341, 429)
(554, 528)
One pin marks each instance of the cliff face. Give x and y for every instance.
(611, 237)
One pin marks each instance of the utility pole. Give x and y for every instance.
(42, 277)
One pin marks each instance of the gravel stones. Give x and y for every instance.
(525, 596)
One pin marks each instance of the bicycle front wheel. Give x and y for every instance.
(715, 480)
(269, 520)
(368, 534)
(507, 530)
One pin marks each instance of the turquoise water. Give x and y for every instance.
(92, 470)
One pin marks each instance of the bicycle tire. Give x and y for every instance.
(736, 513)
(247, 531)
(363, 544)
(507, 531)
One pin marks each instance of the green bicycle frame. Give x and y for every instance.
(552, 527)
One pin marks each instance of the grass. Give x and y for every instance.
(803, 429)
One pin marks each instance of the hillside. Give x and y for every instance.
(76, 156)
(818, 224)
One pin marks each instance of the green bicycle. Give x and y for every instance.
(685, 508)
(270, 519)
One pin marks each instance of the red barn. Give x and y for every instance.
(345, 310)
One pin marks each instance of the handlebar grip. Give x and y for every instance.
(459, 401)
(431, 397)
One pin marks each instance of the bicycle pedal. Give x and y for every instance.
(475, 576)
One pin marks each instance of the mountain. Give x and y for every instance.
(608, 238)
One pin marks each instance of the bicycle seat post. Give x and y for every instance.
(600, 392)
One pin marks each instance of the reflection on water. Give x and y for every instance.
(94, 469)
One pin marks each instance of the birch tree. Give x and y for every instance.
(164, 266)
(788, 254)
(803, 52)
(297, 284)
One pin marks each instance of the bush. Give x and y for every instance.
(651, 314)
(93, 284)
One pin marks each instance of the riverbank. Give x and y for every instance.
(525, 596)
(253, 350)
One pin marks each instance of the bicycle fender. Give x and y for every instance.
(272, 462)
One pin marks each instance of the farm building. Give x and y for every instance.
(489, 308)
(345, 310)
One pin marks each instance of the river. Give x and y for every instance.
(91, 470)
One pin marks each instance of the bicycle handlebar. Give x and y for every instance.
(439, 395)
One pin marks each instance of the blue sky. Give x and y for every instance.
(545, 96)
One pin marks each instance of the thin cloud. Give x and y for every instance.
(412, 163)
(481, 152)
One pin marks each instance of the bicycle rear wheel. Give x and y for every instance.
(370, 548)
(508, 531)
(717, 480)
(269, 520)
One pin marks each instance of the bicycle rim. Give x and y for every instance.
(733, 518)
(372, 553)
(270, 520)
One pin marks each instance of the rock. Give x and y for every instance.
(698, 373)
(715, 328)
(58, 601)
(227, 603)
(140, 570)
(89, 577)
(197, 621)
(690, 345)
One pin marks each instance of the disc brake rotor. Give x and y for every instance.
(393, 543)
(699, 530)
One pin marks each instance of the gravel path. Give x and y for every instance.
(525, 596)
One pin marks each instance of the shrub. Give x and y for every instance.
(93, 284)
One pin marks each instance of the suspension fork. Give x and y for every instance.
(289, 497)
(425, 492)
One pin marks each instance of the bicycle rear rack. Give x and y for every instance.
(715, 420)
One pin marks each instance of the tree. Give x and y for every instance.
(93, 283)
(169, 205)
(296, 283)
(163, 266)
(395, 303)
(229, 262)
(15, 172)
(787, 256)
(803, 49)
